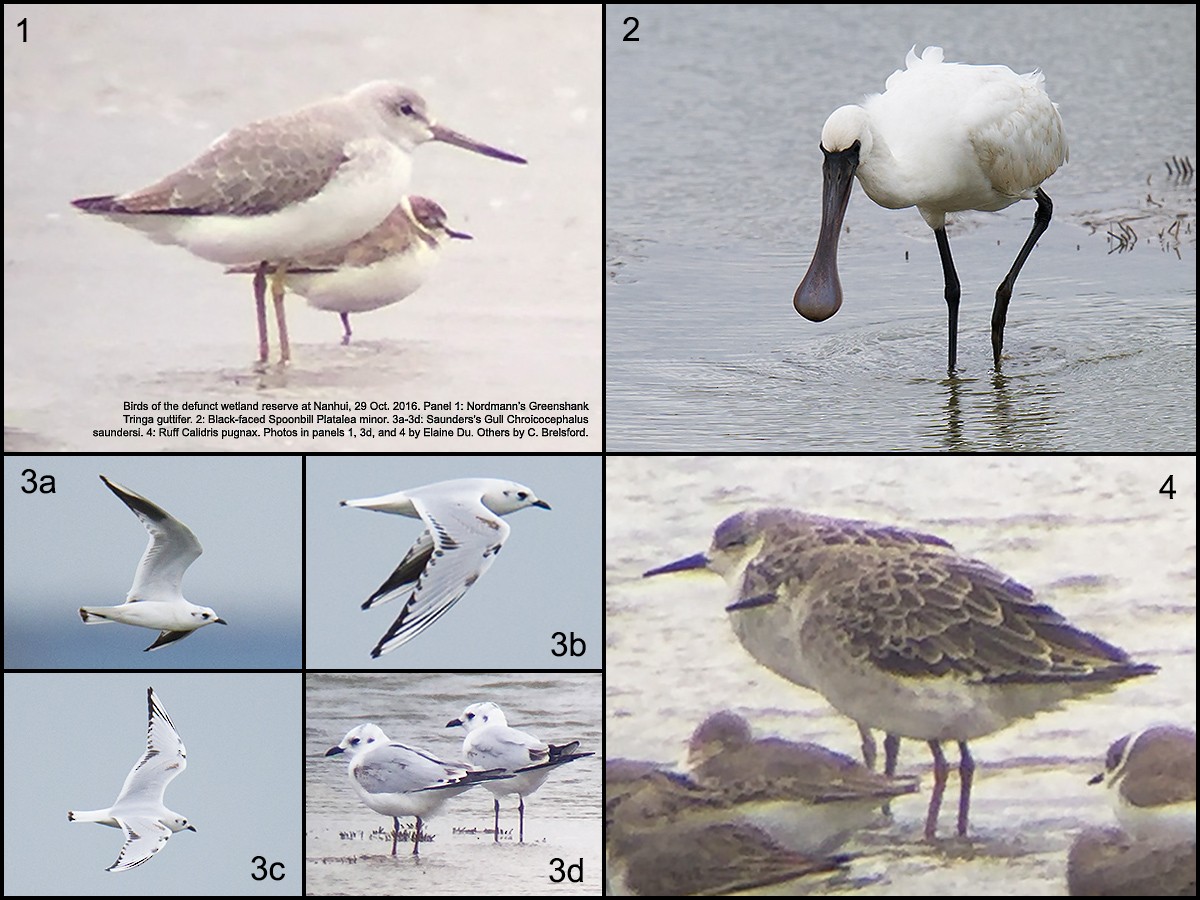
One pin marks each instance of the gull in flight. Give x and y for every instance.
(397, 780)
(139, 810)
(155, 600)
(491, 744)
(463, 533)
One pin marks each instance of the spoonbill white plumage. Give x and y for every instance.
(942, 137)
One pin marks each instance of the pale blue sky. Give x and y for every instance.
(74, 737)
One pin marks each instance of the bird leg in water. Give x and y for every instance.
(953, 291)
(1041, 221)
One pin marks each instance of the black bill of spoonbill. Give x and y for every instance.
(943, 137)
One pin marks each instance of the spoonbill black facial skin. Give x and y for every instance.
(943, 137)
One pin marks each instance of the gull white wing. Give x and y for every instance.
(505, 747)
(466, 537)
(399, 769)
(144, 836)
(165, 757)
(171, 550)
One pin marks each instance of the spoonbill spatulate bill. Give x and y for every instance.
(943, 137)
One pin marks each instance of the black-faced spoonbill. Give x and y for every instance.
(942, 137)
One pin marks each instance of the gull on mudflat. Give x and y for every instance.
(491, 744)
(156, 598)
(139, 810)
(395, 780)
(294, 184)
(463, 533)
(380, 268)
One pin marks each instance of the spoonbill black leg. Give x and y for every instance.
(1041, 221)
(953, 292)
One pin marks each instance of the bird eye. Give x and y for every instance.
(406, 108)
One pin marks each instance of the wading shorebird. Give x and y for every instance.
(289, 186)
(901, 633)
(156, 599)
(943, 137)
(382, 267)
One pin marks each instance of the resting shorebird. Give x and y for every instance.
(662, 838)
(901, 633)
(808, 798)
(1151, 777)
(382, 267)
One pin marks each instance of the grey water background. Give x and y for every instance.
(562, 818)
(1091, 536)
(713, 202)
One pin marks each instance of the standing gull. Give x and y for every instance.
(901, 633)
(382, 267)
(463, 533)
(139, 810)
(284, 187)
(491, 744)
(396, 780)
(156, 598)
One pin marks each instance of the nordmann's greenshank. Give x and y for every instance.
(288, 186)
(901, 633)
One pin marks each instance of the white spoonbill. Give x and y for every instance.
(942, 137)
